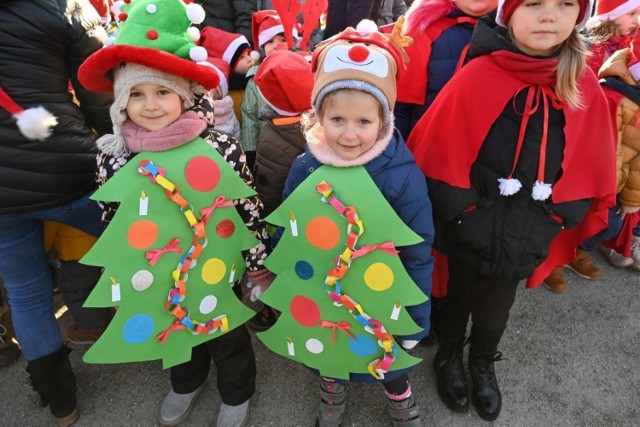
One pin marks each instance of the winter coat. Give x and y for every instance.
(624, 95)
(390, 11)
(232, 16)
(279, 146)
(345, 13)
(225, 117)
(506, 237)
(252, 104)
(402, 184)
(43, 44)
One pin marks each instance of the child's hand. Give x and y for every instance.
(259, 282)
(626, 210)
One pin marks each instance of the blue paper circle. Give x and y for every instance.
(138, 329)
(363, 345)
(304, 270)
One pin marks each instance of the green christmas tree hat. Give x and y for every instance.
(157, 34)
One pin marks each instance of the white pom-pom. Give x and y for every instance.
(151, 8)
(198, 54)
(366, 27)
(541, 191)
(111, 145)
(193, 33)
(509, 186)
(195, 13)
(255, 55)
(36, 123)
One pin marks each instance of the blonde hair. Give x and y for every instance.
(603, 31)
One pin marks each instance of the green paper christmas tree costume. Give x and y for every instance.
(170, 254)
(340, 284)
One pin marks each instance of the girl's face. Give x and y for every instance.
(272, 44)
(476, 7)
(351, 120)
(627, 23)
(244, 63)
(540, 26)
(153, 107)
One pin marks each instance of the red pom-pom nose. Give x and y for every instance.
(358, 53)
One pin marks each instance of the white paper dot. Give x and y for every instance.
(142, 280)
(208, 304)
(314, 346)
(151, 8)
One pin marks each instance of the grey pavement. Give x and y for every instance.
(571, 360)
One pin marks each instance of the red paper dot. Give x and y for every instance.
(225, 228)
(152, 34)
(322, 233)
(123, 16)
(305, 311)
(202, 173)
(142, 234)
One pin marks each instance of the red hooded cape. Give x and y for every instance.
(447, 139)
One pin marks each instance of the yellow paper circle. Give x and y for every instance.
(213, 271)
(378, 277)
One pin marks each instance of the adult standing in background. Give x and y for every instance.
(232, 16)
(46, 175)
(346, 13)
(388, 11)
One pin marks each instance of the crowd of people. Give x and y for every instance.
(503, 134)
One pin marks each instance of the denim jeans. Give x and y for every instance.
(612, 230)
(25, 270)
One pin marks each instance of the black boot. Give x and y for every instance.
(55, 382)
(452, 385)
(487, 398)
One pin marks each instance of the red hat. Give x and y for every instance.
(285, 81)
(634, 58)
(223, 45)
(610, 10)
(507, 7)
(265, 25)
(222, 68)
(33, 123)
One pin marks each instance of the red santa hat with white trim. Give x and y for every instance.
(224, 45)
(33, 123)
(222, 68)
(265, 25)
(610, 10)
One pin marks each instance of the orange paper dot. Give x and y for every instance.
(142, 234)
(202, 173)
(322, 233)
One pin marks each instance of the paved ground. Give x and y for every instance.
(572, 360)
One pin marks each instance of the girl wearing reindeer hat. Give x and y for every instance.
(517, 187)
(159, 76)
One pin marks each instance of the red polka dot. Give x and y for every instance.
(152, 34)
(225, 228)
(142, 234)
(305, 311)
(322, 233)
(202, 173)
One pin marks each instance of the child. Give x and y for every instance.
(152, 84)
(268, 34)
(527, 163)
(354, 126)
(235, 50)
(223, 114)
(611, 28)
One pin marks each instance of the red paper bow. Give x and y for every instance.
(344, 326)
(387, 247)
(154, 255)
(217, 203)
(175, 326)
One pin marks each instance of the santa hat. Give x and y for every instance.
(33, 123)
(265, 25)
(634, 57)
(158, 35)
(363, 59)
(507, 7)
(285, 81)
(610, 10)
(224, 45)
(222, 68)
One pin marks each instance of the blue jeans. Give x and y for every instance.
(613, 228)
(24, 267)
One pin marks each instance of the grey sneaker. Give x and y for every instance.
(615, 258)
(233, 416)
(333, 401)
(177, 407)
(405, 413)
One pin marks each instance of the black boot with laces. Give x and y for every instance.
(452, 384)
(487, 398)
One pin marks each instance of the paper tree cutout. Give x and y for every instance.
(171, 254)
(346, 325)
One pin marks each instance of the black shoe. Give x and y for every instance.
(430, 339)
(452, 384)
(263, 320)
(487, 398)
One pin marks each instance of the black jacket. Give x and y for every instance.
(232, 16)
(43, 44)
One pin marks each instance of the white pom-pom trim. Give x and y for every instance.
(36, 123)
(366, 27)
(541, 191)
(198, 54)
(193, 33)
(255, 55)
(195, 13)
(509, 186)
(151, 8)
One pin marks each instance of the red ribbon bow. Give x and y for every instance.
(343, 326)
(175, 326)
(387, 247)
(217, 203)
(154, 255)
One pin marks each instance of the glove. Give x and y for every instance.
(259, 282)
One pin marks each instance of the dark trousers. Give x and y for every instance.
(233, 356)
(488, 302)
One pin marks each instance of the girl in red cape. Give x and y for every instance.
(518, 177)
